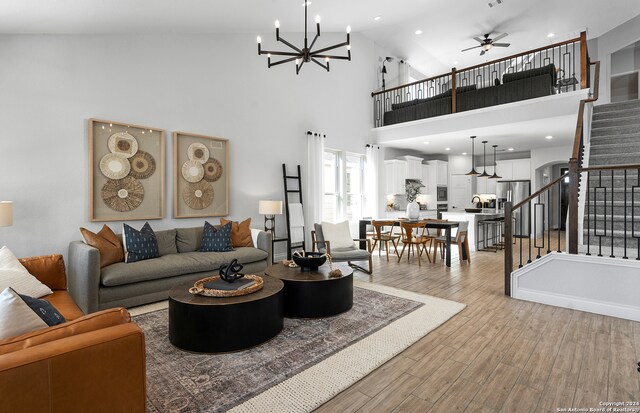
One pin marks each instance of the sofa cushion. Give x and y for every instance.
(166, 242)
(13, 274)
(349, 254)
(139, 245)
(16, 317)
(549, 70)
(64, 303)
(188, 239)
(48, 269)
(176, 264)
(108, 243)
(85, 324)
(216, 238)
(240, 232)
(44, 309)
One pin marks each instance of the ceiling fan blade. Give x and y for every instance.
(502, 44)
(483, 52)
(474, 47)
(478, 39)
(502, 36)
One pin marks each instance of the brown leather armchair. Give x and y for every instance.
(92, 362)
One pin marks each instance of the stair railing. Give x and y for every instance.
(537, 241)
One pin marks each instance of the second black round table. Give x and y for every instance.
(314, 294)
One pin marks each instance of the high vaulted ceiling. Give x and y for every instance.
(447, 26)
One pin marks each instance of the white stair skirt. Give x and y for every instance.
(600, 285)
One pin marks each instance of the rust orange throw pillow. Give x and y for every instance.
(240, 232)
(108, 243)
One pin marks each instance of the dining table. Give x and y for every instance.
(447, 226)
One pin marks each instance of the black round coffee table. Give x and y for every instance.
(313, 294)
(213, 325)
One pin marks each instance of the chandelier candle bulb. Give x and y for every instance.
(318, 19)
(277, 24)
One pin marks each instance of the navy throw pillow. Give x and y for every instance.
(44, 310)
(216, 239)
(139, 245)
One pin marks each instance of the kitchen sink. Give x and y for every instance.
(473, 209)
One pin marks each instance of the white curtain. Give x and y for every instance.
(371, 194)
(315, 183)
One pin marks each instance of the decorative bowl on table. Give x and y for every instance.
(311, 260)
(473, 209)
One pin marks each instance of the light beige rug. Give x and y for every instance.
(310, 388)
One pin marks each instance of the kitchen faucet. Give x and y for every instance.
(479, 200)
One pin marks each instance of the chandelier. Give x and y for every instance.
(305, 54)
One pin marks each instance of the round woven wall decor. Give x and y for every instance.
(123, 143)
(114, 166)
(142, 165)
(198, 195)
(123, 195)
(192, 171)
(198, 152)
(212, 170)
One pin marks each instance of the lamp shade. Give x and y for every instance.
(270, 207)
(6, 213)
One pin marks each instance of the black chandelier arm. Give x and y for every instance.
(279, 62)
(280, 39)
(275, 53)
(326, 49)
(326, 67)
(315, 38)
(324, 56)
(299, 66)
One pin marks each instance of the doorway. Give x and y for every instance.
(564, 199)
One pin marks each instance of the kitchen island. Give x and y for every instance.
(473, 218)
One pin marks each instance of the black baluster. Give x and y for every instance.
(588, 217)
(613, 196)
(521, 238)
(548, 201)
(534, 235)
(604, 203)
(625, 216)
(559, 214)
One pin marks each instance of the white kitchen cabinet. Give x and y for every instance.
(522, 169)
(460, 193)
(514, 169)
(395, 173)
(504, 169)
(414, 167)
(485, 186)
(442, 174)
(459, 164)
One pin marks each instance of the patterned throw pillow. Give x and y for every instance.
(216, 239)
(44, 310)
(139, 245)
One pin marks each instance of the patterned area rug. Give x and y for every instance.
(300, 368)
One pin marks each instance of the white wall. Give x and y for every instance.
(208, 84)
(608, 43)
(547, 156)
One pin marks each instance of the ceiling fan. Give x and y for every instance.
(487, 43)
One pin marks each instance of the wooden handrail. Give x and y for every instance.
(539, 49)
(610, 167)
(539, 191)
(578, 136)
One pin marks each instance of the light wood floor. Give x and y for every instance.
(499, 354)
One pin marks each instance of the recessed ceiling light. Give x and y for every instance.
(548, 137)
(464, 153)
(447, 149)
(377, 18)
(418, 31)
(426, 143)
(510, 149)
(550, 35)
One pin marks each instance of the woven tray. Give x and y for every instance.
(198, 287)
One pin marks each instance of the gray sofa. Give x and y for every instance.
(143, 282)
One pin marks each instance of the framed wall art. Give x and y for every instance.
(200, 176)
(126, 171)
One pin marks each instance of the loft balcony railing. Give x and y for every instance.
(557, 68)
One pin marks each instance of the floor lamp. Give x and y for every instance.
(270, 209)
(6, 213)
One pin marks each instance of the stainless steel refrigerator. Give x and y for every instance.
(516, 191)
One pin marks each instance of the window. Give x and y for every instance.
(343, 186)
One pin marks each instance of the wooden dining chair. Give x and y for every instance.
(414, 234)
(382, 235)
(461, 239)
(433, 233)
